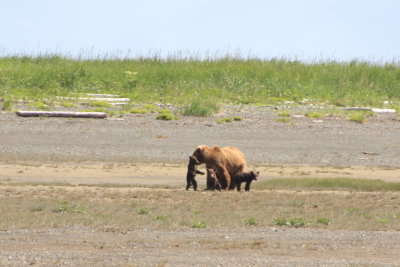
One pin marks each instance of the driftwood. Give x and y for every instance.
(376, 110)
(103, 95)
(66, 114)
(107, 99)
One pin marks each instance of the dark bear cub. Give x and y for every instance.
(191, 173)
(242, 177)
(212, 180)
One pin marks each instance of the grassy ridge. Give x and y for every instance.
(179, 81)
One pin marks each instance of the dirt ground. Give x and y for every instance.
(139, 150)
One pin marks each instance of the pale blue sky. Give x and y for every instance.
(302, 29)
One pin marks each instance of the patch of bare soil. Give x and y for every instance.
(146, 174)
(83, 246)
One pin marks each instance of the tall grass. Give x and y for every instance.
(178, 80)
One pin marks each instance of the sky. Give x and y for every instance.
(306, 30)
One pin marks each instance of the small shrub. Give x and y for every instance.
(199, 224)
(201, 108)
(144, 211)
(251, 221)
(166, 115)
(294, 222)
(281, 221)
(65, 207)
(7, 105)
(237, 118)
(357, 117)
(223, 120)
(324, 220)
(297, 222)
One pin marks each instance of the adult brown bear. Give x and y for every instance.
(226, 161)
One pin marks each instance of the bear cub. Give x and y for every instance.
(191, 173)
(243, 177)
(212, 180)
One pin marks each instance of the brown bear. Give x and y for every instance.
(242, 177)
(191, 174)
(226, 161)
(212, 180)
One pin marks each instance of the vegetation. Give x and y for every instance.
(223, 120)
(328, 183)
(124, 207)
(201, 108)
(315, 115)
(283, 119)
(166, 115)
(193, 83)
(284, 113)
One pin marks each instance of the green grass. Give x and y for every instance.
(284, 113)
(223, 120)
(199, 224)
(100, 104)
(144, 211)
(328, 183)
(315, 115)
(292, 222)
(323, 220)
(250, 221)
(166, 115)
(66, 207)
(7, 105)
(40, 105)
(182, 81)
(283, 119)
(200, 108)
(360, 116)
(357, 117)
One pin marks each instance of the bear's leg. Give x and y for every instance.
(247, 188)
(188, 183)
(238, 186)
(194, 184)
(225, 177)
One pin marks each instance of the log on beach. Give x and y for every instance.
(66, 114)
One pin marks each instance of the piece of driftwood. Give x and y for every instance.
(106, 99)
(66, 114)
(103, 95)
(370, 153)
(376, 110)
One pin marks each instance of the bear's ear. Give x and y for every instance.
(194, 159)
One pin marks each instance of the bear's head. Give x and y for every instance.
(254, 175)
(199, 154)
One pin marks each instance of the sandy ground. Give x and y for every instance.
(139, 150)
